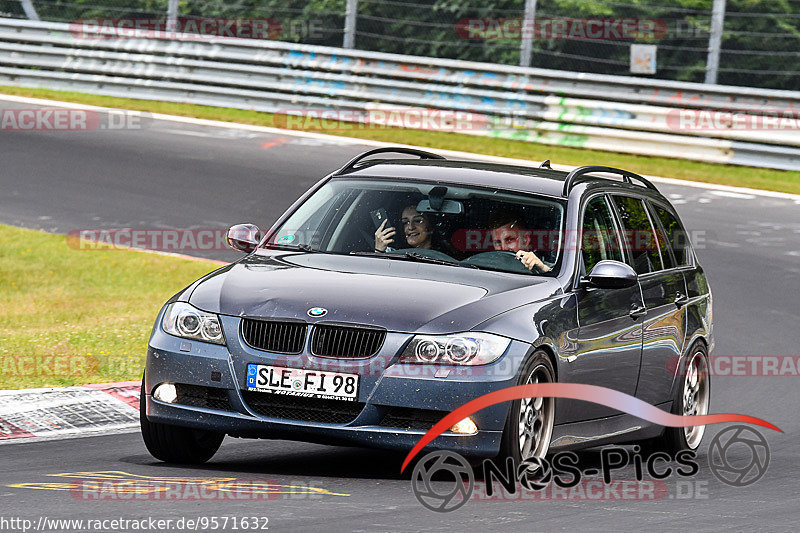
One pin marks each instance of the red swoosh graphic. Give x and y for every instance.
(588, 393)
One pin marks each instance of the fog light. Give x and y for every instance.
(465, 427)
(166, 392)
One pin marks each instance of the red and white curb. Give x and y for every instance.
(68, 412)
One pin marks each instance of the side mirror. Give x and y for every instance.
(609, 274)
(244, 237)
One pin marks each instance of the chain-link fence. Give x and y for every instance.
(670, 39)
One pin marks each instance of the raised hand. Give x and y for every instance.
(383, 237)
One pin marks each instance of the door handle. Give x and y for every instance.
(637, 311)
(681, 300)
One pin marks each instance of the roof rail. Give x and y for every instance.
(569, 181)
(399, 150)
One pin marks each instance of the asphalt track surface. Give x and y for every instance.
(171, 175)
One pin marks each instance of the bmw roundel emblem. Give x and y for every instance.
(317, 312)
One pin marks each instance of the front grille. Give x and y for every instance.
(207, 397)
(301, 408)
(274, 336)
(346, 341)
(407, 418)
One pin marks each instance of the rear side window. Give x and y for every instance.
(639, 235)
(599, 240)
(675, 235)
(661, 234)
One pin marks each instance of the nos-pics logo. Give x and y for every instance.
(443, 481)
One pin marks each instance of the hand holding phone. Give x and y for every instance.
(379, 216)
(383, 235)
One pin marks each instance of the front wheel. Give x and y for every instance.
(174, 444)
(529, 426)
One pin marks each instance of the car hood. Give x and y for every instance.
(397, 295)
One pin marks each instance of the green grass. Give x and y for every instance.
(757, 178)
(72, 316)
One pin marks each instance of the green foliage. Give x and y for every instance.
(70, 10)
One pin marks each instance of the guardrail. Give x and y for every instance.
(621, 114)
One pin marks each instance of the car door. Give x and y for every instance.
(697, 309)
(664, 292)
(609, 340)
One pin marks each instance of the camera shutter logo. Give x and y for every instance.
(738, 440)
(456, 484)
(535, 473)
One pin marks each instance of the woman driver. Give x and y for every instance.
(416, 227)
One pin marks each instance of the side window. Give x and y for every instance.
(599, 239)
(675, 235)
(640, 238)
(661, 234)
(313, 220)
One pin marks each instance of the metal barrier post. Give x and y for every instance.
(30, 11)
(350, 13)
(715, 41)
(172, 15)
(527, 33)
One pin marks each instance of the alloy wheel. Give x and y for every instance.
(536, 419)
(695, 396)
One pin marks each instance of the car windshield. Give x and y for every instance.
(472, 227)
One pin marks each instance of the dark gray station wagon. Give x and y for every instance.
(398, 288)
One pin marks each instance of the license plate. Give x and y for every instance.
(301, 382)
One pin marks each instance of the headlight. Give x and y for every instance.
(458, 349)
(188, 322)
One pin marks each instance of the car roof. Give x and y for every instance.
(533, 180)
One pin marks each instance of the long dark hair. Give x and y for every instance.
(438, 241)
(431, 226)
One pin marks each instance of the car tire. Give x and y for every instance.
(539, 414)
(692, 397)
(174, 444)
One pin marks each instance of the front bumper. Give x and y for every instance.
(384, 386)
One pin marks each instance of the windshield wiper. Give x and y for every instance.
(413, 256)
(425, 259)
(386, 255)
(293, 247)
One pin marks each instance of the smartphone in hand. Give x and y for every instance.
(378, 216)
